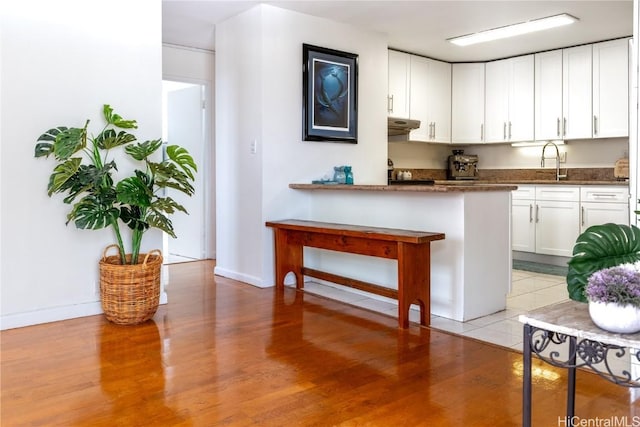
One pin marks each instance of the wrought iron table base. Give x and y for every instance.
(582, 353)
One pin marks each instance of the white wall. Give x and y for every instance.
(60, 62)
(259, 97)
(198, 66)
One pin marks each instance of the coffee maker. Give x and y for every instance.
(462, 166)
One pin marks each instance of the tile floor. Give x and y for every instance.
(529, 290)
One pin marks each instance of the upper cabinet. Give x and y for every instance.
(582, 92)
(467, 103)
(548, 95)
(420, 89)
(611, 89)
(398, 98)
(576, 92)
(430, 99)
(509, 98)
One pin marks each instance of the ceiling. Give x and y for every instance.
(420, 27)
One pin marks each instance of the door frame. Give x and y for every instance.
(206, 168)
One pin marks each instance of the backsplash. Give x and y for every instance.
(592, 153)
(573, 174)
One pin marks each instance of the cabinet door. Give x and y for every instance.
(398, 102)
(557, 227)
(593, 213)
(521, 94)
(611, 89)
(467, 103)
(496, 101)
(418, 93)
(523, 230)
(439, 100)
(548, 95)
(576, 92)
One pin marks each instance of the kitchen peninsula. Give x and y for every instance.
(470, 269)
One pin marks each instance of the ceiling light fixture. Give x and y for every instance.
(514, 29)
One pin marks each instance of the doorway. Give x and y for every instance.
(186, 121)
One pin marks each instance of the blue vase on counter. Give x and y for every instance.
(348, 175)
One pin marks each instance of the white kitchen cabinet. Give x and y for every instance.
(556, 227)
(545, 219)
(577, 92)
(548, 95)
(398, 97)
(509, 100)
(430, 99)
(523, 226)
(611, 89)
(603, 204)
(467, 103)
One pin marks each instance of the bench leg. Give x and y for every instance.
(414, 281)
(288, 258)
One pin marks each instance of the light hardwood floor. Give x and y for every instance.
(226, 353)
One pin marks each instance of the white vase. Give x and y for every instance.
(612, 317)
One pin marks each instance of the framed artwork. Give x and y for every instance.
(329, 95)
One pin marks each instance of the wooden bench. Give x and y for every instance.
(410, 248)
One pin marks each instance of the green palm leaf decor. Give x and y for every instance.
(87, 177)
(601, 246)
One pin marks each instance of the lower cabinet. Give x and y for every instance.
(600, 204)
(547, 219)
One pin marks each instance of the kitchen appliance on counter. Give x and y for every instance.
(462, 166)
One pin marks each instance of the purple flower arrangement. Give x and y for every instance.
(619, 284)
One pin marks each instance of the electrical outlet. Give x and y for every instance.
(563, 157)
(254, 146)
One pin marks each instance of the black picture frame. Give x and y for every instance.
(329, 95)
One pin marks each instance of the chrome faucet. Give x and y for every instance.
(557, 157)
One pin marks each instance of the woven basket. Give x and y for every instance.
(130, 294)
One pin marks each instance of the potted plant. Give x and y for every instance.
(614, 298)
(85, 173)
(598, 247)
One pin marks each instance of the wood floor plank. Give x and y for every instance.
(223, 353)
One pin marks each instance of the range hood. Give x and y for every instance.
(398, 126)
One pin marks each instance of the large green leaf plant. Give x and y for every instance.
(85, 171)
(599, 247)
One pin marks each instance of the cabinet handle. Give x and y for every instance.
(530, 213)
(564, 126)
(595, 125)
(509, 130)
(558, 126)
(432, 130)
(504, 130)
(537, 213)
(481, 131)
(390, 104)
(603, 196)
(582, 215)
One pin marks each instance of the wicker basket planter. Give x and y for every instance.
(130, 294)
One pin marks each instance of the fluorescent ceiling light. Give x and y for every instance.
(514, 30)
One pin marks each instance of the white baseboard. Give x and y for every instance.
(55, 314)
(251, 280)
